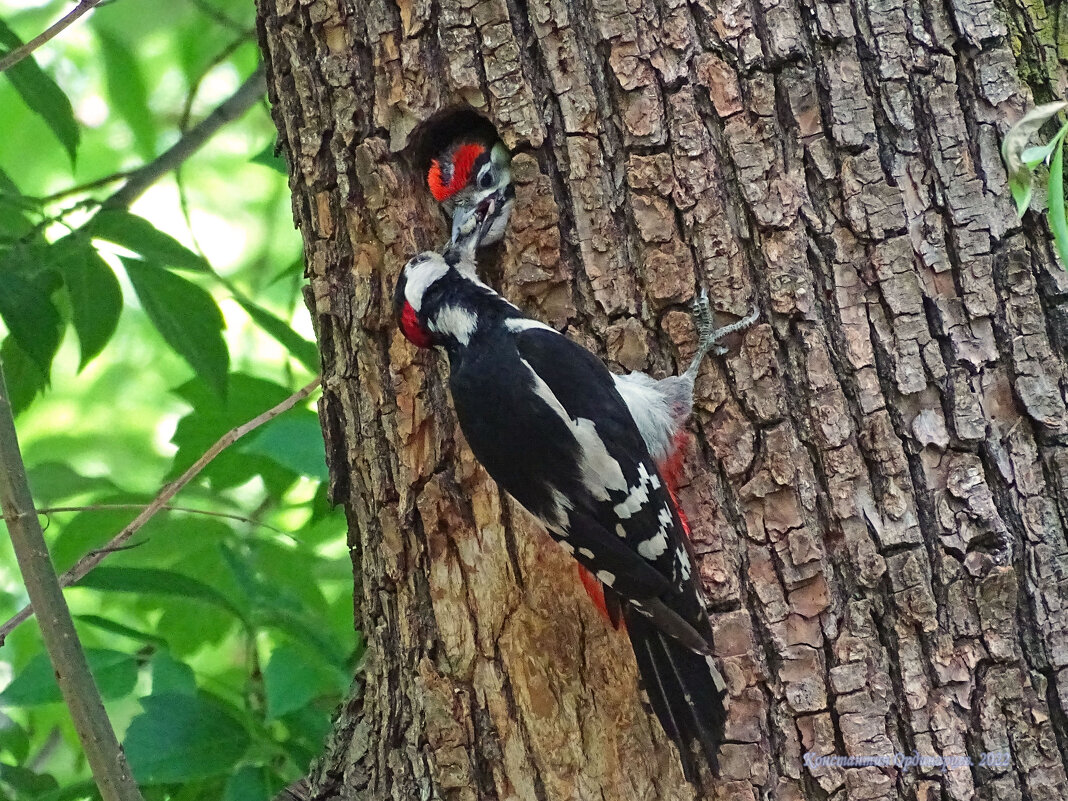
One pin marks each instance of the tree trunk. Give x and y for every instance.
(879, 482)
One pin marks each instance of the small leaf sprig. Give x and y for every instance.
(1022, 160)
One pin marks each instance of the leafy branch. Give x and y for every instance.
(79, 689)
(95, 557)
(1022, 162)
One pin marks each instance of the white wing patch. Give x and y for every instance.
(455, 321)
(653, 547)
(600, 472)
(684, 565)
(518, 324)
(606, 577)
(637, 496)
(561, 522)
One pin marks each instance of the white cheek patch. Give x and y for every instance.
(420, 273)
(454, 321)
(599, 471)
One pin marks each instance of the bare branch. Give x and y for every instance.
(80, 188)
(118, 507)
(91, 560)
(110, 771)
(15, 56)
(247, 95)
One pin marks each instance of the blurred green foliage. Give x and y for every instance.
(132, 339)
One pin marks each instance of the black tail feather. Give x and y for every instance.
(685, 691)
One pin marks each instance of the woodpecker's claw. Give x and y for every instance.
(705, 320)
(707, 333)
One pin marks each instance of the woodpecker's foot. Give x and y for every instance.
(705, 320)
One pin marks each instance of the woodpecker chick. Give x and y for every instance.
(545, 418)
(464, 175)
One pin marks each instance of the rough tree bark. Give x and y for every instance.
(896, 417)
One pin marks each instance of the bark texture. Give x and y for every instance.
(896, 419)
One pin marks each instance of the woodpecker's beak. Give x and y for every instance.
(485, 217)
(484, 221)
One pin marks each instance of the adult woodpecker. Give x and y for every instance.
(467, 172)
(545, 418)
(661, 408)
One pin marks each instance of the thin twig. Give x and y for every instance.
(101, 747)
(118, 507)
(92, 559)
(15, 56)
(230, 109)
(77, 190)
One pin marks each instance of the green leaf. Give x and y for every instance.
(180, 738)
(1012, 151)
(171, 676)
(187, 317)
(114, 627)
(293, 440)
(79, 791)
(24, 378)
(139, 235)
(248, 783)
(1057, 222)
(155, 581)
(56, 481)
(301, 349)
(41, 94)
(269, 157)
(30, 315)
(95, 295)
(127, 91)
(212, 417)
(295, 676)
(13, 221)
(26, 782)
(114, 671)
(13, 739)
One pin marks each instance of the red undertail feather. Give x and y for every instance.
(595, 590)
(670, 471)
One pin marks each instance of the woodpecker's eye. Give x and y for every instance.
(487, 179)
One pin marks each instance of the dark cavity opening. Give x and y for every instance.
(429, 138)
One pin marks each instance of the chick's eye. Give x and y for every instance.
(487, 179)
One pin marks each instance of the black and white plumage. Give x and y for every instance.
(546, 419)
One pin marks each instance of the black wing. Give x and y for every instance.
(641, 518)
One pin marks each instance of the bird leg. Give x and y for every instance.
(707, 333)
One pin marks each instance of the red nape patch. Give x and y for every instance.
(462, 161)
(409, 325)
